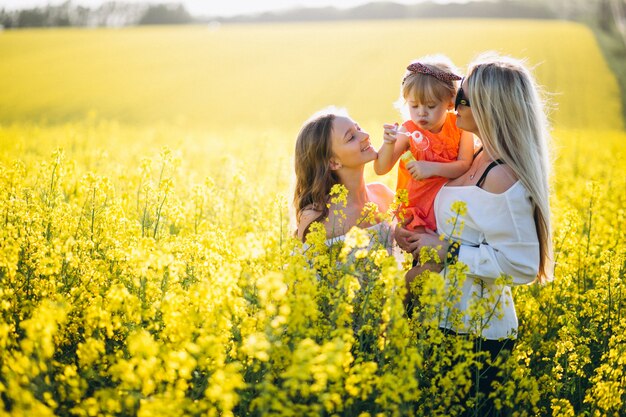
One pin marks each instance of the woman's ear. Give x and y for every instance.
(334, 164)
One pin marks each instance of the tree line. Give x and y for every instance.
(609, 15)
(109, 14)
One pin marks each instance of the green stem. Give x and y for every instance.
(158, 217)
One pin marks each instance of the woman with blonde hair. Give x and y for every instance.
(506, 221)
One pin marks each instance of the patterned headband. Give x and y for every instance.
(418, 67)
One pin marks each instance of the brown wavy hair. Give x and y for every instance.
(314, 178)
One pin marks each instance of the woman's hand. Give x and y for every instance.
(430, 239)
(405, 238)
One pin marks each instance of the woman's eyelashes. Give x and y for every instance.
(353, 133)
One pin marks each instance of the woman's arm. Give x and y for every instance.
(489, 261)
(510, 245)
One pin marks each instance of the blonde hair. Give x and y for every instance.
(513, 126)
(313, 152)
(424, 87)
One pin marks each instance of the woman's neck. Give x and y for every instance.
(355, 184)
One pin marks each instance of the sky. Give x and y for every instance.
(208, 7)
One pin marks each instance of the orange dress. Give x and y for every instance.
(443, 147)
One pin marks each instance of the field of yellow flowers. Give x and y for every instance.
(147, 259)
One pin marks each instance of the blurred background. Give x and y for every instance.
(203, 75)
(237, 79)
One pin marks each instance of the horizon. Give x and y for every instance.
(222, 9)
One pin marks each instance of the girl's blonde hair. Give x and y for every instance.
(513, 126)
(313, 152)
(426, 88)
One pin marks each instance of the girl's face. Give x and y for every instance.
(430, 115)
(350, 145)
(464, 117)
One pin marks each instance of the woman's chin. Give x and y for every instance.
(370, 154)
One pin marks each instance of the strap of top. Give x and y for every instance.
(483, 177)
(478, 151)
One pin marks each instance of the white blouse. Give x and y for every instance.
(498, 238)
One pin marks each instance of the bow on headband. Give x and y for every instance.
(417, 67)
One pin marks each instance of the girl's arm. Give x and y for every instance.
(426, 169)
(393, 146)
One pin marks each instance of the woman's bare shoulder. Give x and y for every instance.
(380, 194)
(307, 216)
(499, 179)
(380, 189)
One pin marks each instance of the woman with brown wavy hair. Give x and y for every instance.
(332, 149)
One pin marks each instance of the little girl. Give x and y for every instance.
(440, 150)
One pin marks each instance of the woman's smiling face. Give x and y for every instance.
(351, 146)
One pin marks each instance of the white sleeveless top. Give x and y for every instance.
(379, 233)
(499, 237)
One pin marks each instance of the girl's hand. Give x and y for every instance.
(420, 169)
(389, 133)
